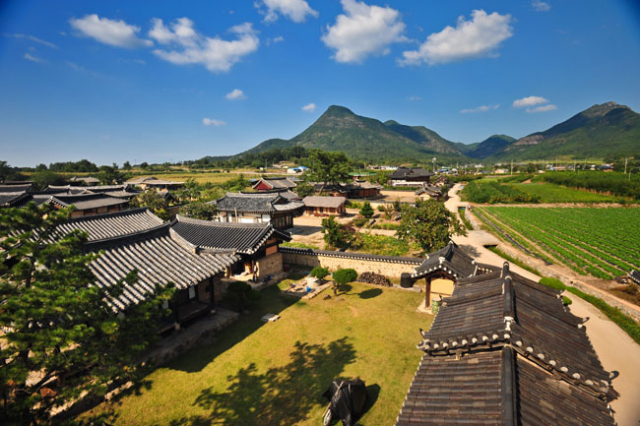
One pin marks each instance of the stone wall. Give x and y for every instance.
(388, 266)
(269, 265)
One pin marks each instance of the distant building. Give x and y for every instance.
(297, 170)
(324, 206)
(430, 192)
(277, 183)
(405, 176)
(150, 182)
(13, 195)
(353, 190)
(258, 208)
(87, 180)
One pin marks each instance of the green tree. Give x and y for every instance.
(429, 224)
(63, 339)
(190, 191)
(366, 210)
(144, 165)
(126, 165)
(304, 189)
(109, 175)
(336, 235)
(327, 167)
(153, 201)
(343, 276)
(199, 210)
(45, 178)
(319, 272)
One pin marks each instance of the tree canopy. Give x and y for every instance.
(327, 167)
(63, 338)
(429, 224)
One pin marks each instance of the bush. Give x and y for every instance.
(239, 292)
(380, 208)
(319, 272)
(360, 221)
(343, 276)
(366, 210)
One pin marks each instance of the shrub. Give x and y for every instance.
(360, 221)
(343, 276)
(366, 210)
(319, 272)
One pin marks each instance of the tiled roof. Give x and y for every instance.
(110, 225)
(159, 256)
(85, 179)
(10, 199)
(635, 276)
(277, 183)
(4, 189)
(86, 202)
(547, 360)
(350, 255)
(405, 172)
(451, 259)
(331, 202)
(255, 203)
(245, 238)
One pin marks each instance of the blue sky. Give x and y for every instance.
(168, 81)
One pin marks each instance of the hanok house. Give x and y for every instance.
(276, 183)
(255, 243)
(258, 208)
(161, 256)
(110, 225)
(429, 192)
(504, 350)
(150, 182)
(405, 176)
(12, 195)
(443, 268)
(324, 206)
(85, 204)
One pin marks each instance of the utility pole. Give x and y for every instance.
(434, 164)
(626, 159)
(511, 167)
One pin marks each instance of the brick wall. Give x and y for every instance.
(270, 265)
(385, 265)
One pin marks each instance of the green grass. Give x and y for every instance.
(381, 245)
(274, 374)
(625, 322)
(299, 245)
(464, 219)
(550, 193)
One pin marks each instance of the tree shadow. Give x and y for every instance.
(470, 250)
(280, 396)
(370, 293)
(372, 396)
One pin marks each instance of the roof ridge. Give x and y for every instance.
(128, 212)
(128, 238)
(180, 218)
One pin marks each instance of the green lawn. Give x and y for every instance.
(274, 374)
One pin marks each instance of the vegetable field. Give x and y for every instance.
(602, 242)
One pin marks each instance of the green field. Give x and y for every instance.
(550, 193)
(602, 242)
(274, 374)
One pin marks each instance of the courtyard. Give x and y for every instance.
(256, 373)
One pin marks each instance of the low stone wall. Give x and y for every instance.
(269, 265)
(388, 266)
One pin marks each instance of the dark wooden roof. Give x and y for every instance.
(5, 189)
(406, 172)
(452, 260)
(11, 195)
(110, 225)
(86, 201)
(245, 238)
(430, 190)
(255, 203)
(547, 358)
(159, 255)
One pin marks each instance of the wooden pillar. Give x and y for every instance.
(428, 293)
(212, 299)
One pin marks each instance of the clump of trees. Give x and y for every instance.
(329, 168)
(336, 235)
(429, 224)
(63, 339)
(366, 210)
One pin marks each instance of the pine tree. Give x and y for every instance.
(62, 338)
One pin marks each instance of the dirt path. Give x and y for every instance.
(616, 350)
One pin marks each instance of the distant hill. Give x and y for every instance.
(363, 138)
(601, 131)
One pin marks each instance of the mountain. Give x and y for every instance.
(601, 131)
(493, 145)
(363, 138)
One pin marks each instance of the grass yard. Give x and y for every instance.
(275, 374)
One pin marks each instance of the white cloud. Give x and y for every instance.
(529, 101)
(543, 108)
(309, 107)
(107, 31)
(278, 39)
(187, 46)
(415, 98)
(236, 95)
(213, 122)
(31, 58)
(32, 38)
(363, 31)
(479, 37)
(482, 108)
(541, 6)
(296, 10)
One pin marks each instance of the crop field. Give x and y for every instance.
(602, 242)
(550, 193)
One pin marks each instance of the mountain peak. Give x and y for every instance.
(599, 110)
(337, 110)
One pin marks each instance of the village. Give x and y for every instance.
(486, 313)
